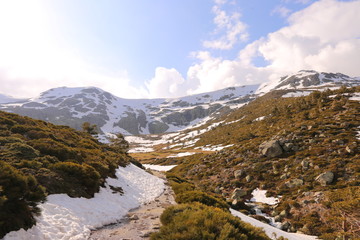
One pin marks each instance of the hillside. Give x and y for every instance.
(39, 159)
(304, 149)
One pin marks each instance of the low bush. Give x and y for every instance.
(19, 195)
(200, 222)
(86, 174)
(201, 197)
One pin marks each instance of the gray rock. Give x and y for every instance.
(288, 147)
(294, 183)
(349, 150)
(238, 193)
(277, 218)
(283, 213)
(134, 217)
(325, 178)
(238, 173)
(271, 148)
(285, 226)
(305, 165)
(248, 178)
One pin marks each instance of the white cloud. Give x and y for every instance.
(281, 10)
(298, 1)
(220, 2)
(229, 29)
(322, 37)
(166, 83)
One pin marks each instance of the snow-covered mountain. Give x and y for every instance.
(308, 79)
(73, 106)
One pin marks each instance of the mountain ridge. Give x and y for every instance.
(112, 114)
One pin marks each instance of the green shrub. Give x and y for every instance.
(201, 197)
(5, 140)
(200, 222)
(182, 187)
(19, 195)
(51, 147)
(87, 174)
(22, 150)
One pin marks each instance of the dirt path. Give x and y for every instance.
(140, 222)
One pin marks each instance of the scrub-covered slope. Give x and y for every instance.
(304, 149)
(38, 158)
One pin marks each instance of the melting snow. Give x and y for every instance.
(159, 167)
(140, 149)
(63, 217)
(296, 94)
(214, 148)
(260, 197)
(271, 231)
(260, 118)
(355, 97)
(182, 154)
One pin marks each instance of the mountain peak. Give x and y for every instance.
(306, 79)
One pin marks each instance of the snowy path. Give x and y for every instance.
(140, 222)
(68, 218)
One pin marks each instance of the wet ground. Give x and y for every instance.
(139, 223)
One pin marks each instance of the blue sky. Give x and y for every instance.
(162, 48)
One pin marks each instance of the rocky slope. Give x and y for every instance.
(304, 149)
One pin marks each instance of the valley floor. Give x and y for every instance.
(140, 222)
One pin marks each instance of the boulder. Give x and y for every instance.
(325, 178)
(305, 164)
(285, 226)
(271, 148)
(277, 218)
(238, 193)
(238, 173)
(294, 183)
(283, 213)
(248, 178)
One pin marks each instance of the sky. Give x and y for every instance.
(162, 48)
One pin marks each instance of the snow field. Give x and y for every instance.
(68, 218)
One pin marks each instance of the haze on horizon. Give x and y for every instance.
(154, 49)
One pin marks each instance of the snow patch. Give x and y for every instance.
(214, 148)
(355, 97)
(159, 167)
(260, 118)
(271, 231)
(63, 217)
(296, 94)
(182, 154)
(259, 196)
(141, 149)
